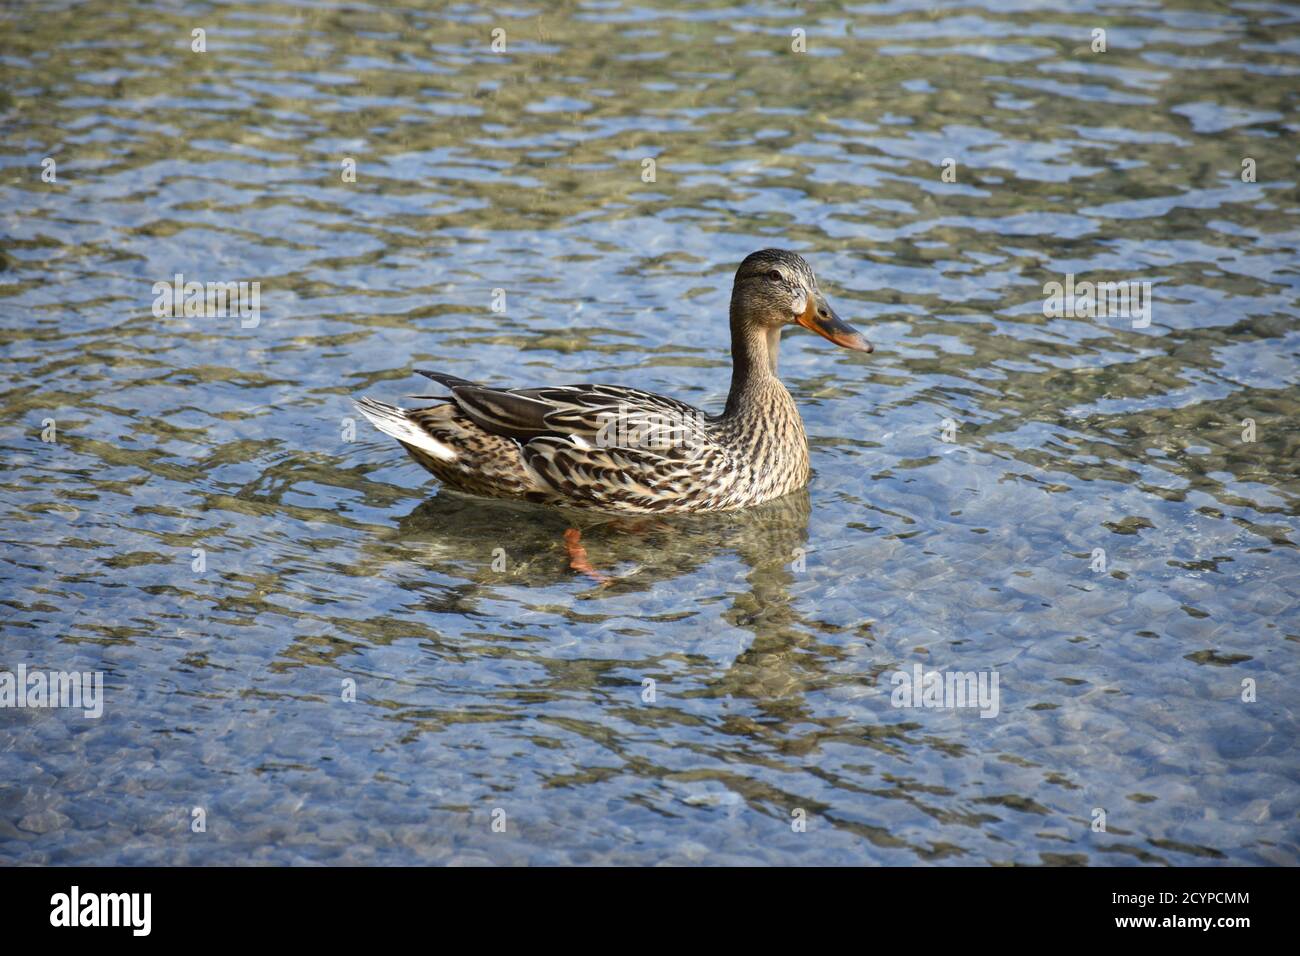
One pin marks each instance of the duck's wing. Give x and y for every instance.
(622, 448)
(605, 414)
(605, 445)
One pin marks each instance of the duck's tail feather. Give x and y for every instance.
(395, 422)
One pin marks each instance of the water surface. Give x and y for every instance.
(488, 675)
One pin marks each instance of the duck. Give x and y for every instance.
(619, 449)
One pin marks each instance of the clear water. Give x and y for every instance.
(519, 688)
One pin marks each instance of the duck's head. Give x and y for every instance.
(775, 288)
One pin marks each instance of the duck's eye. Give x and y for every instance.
(774, 275)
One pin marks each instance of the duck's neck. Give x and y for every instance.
(753, 363)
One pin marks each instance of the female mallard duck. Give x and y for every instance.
(620, 449)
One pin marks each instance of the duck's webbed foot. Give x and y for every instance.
(578, 559)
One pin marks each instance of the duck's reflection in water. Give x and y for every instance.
(488, 544)
(790, 657)
(536, 545)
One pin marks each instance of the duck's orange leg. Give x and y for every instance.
(578, 556)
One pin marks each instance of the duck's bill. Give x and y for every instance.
(821, 318)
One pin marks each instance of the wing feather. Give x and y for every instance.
(606, 445)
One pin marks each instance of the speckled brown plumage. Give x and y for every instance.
(621, 449)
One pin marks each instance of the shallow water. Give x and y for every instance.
(500, 685)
